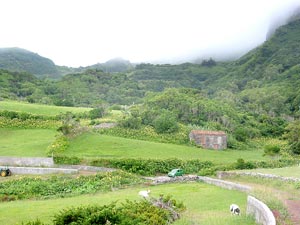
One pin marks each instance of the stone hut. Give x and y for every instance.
(209, 139)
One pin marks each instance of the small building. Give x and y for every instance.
(209, 139)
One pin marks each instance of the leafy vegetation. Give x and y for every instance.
(128, 213)
(63, 186)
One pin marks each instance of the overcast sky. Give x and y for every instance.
(85, 32)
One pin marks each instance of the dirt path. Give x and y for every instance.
(293, 207)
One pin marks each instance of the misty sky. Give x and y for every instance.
(85, 32)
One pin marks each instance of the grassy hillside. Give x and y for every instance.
(215, 211)
(25, 142)
(96, 145)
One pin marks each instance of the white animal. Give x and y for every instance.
(235, 209)
(144, 194)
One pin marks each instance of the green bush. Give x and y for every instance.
(153, 166)
(271, 150)
(131, 123)
(164, 210)
(166, 123)
(59, 145)
(241, 164)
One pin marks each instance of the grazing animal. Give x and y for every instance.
(235, 209)
(144, 194)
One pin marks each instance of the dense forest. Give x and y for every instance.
(256, 95)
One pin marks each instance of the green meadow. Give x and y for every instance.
(39, 109)
(96, 145)
(284, 172)
(25, 142)
(205, 204)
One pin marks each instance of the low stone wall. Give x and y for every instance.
(38, 170)
(166, 179)
(260, 211)
(26, 161)
(224, 174)
(225, 184)
(87, 168)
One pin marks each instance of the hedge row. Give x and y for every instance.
(148, 167)
(29, 123)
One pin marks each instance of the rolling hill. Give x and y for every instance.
(21, 60)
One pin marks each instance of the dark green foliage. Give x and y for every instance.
(20, 60)
(131, 122)
(242, 165)
(271, 150)
(153, 166)
(164, 210)
(97, 113)
(128, 213)
(209, 62)
(165, 123)
(62, 186)
(293, 136)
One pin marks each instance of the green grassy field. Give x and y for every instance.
(25, 142)
(96, 145)
(39, 109)
(205, 204)
(285, 172)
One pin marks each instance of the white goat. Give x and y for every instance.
(144, 194)
(235, 209)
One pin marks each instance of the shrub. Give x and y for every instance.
(241, 164)
(293, 137)
(166, 123)
(96, 113)
(271, 150)
(128, 213)
(131, 123)
(59, 145)
(153, 166)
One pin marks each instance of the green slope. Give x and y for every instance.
(21, 60)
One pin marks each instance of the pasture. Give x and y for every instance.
(25, 142)
(39, 109)
(97, 145)
(205, 204)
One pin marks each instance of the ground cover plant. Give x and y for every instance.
(25, 142)
(63, 186)
(205, 204)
